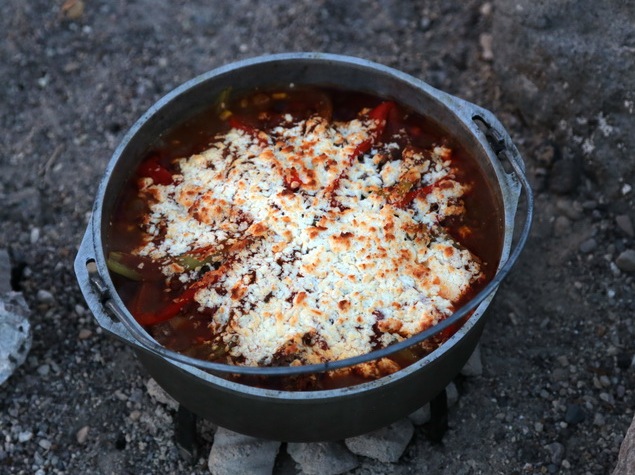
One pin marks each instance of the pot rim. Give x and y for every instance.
(466, 113)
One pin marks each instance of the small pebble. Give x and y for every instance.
(135, 415)
(615, 270)
(598, 420)
(590, 205)
(424, 23)
(486, 40)
(486, 9)
(606, 397)
(73, 9)
(25, 436)
(44, 296)
(45, 444)
(556, 449)
(82, 435)
(563, 360)
(624, 222)
(588, 246)
(120, 395)
(626, 261)
(35, 235)
(575, 414)
(85, 333)
(44, 370)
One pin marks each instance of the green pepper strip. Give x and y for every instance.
(117, 265)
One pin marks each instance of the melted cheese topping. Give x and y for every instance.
(324, 255)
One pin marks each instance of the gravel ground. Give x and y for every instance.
(556, 394)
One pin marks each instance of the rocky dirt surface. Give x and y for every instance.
(556, 393)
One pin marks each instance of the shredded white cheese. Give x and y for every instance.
(343, 254)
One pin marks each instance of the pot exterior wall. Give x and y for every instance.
(312, 417)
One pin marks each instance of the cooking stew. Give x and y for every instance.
(301, 225)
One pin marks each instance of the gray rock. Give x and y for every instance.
(44, 296)
(574, 414)
(44, 370)
(474, 365)
(624, 222)
(556, 450)
(421, 415)
(5, 272)
(626, 459)
(82, 435)
(386, 444)
(599, 420)
(15, 333)
(234, 453)
(452, 394)
(588, 246)
(626, 261)
(322, 458)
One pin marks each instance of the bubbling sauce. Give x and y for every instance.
(297, 226)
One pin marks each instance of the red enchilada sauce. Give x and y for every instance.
(350, 217)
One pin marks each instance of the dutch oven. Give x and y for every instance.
(202, 386)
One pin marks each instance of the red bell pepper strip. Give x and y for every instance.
(380, 115)
(169, 311)
(152, 168)
(178, 303)
(409, 197)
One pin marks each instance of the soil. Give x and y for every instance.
(556, 393)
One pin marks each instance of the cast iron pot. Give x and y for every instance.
(315, 415)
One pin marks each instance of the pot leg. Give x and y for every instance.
(435, 429)
(185, 434)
